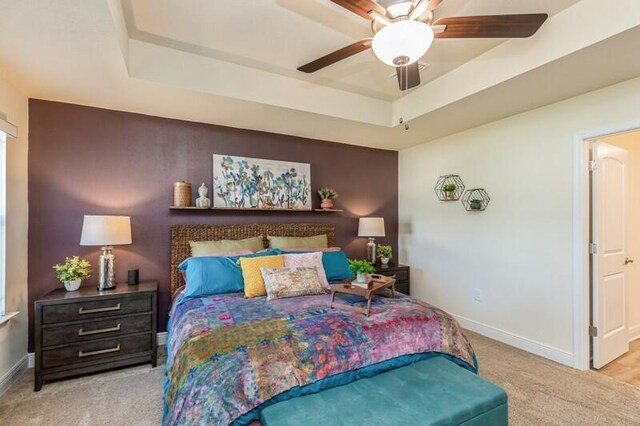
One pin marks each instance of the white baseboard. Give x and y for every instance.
(634, 332)
(13, 374)
(161, 340)
(537, 348)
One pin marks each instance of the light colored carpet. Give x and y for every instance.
(540, 393)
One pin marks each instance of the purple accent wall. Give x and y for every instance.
(85, 160)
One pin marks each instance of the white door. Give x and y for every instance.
(609, 235)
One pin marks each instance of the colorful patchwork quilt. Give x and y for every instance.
(229, 357)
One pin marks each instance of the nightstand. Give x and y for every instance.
(86, 331)
(401, 273)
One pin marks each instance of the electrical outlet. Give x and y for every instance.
(477, 295)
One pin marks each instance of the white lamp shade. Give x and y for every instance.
(105, 230)
(404, 38)
(371, 227)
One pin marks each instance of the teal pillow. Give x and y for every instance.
(215, 274)
(336, 266)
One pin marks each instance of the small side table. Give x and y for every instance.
(367, 293)
(86, 331)
(400, 272)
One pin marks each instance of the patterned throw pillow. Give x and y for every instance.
(253, 281)
(308, 260)
(291, 282)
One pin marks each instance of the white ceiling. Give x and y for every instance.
(281, 35)
(233, 63)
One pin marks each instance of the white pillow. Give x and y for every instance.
(309, 260)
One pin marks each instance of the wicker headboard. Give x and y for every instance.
(182, 234)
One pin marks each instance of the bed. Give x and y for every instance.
(229, 357)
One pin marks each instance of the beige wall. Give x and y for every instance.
(631, 143)
(517, 253)
(13, 335)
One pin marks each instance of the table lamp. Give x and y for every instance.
(106, 231)
(371, 227)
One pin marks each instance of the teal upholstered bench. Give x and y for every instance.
(431, 392)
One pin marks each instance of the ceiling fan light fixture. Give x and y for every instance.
(410, 39)
(400, 8)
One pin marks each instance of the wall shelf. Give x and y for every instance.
(475, 200)
(189, 208)
(445, 180)
(192, 208)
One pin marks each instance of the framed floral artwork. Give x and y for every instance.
(254, 183)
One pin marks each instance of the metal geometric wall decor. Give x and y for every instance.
(475, 200)
(449, 188)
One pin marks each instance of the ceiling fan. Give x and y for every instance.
(404, 30)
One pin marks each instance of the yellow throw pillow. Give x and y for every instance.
(286, 243)
(253, 281)
(220, 247)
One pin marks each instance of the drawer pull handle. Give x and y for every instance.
(81, 332)
(100, 352)
(83, 311)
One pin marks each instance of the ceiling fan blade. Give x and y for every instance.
(433, 4)
(491, 26)
(361, 7)
(408, 76)
(418, 9)
(336, 56)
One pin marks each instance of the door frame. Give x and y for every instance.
(581, 239)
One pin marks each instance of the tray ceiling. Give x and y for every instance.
(280, 35)
(234, 63)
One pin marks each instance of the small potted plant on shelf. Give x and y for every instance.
(449, 190)
(72, 272)
(475, 204)
(385, 253)
(361, 268)
(327, 195)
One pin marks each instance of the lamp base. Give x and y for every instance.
(106, 274)
(371, 250)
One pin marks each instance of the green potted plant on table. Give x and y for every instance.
(475, 204)
(72, 272)
(361, 268)
(449, 190)
(385, 253)
(327, 195)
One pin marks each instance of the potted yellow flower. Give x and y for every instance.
(385, 253)
(72, 272)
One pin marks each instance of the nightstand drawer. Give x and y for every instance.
(97, 329)
(95, 309)
(403, 287)
(96, 350)
(400, 274)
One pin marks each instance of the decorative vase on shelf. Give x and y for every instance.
(475, 204)
(327, 203)
(72, 285)
(384, 260)
(361, 277)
